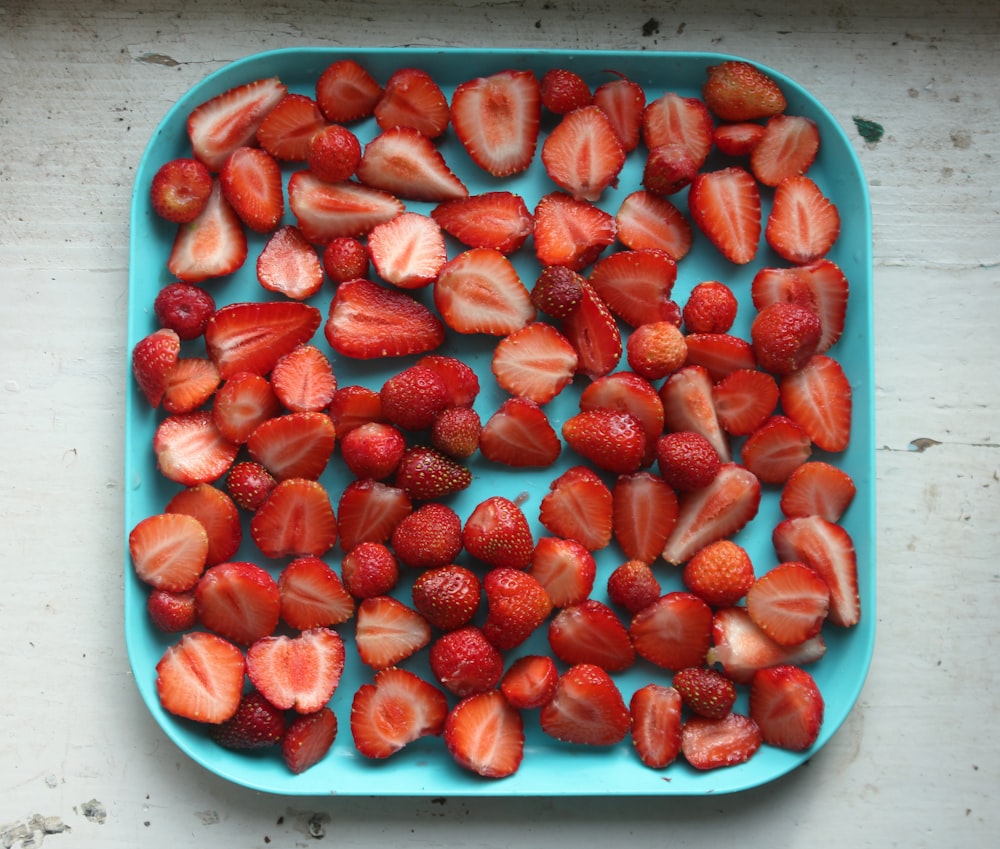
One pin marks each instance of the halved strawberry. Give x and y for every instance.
(644, 512)
(485, 734)
(519, 434)
(803, 223)
(293, 445)
(152, 358)
(591, 632)
(787, 706)
(251, 181)
(593, 331)
(623, 101)
(789, 603)
(578, 506)
(353, 406)
(243, 402)
(346, 91)
(571, 232)
(190, 449)
(530, 681)
(496, 118)
(675, 119)
(819, 398)
(587, 708)
(413, 99)
(612, 440)
(480, 291)
(725, 205)
(286, 130)
(212, 245)
(405, 162)
(303, 380)
(647, 221)
(308, 739)
(190, 382)
(368, 511)
(787, 148)
(583, 154)
(289, 265)
(674, 632)
(565, 568)
(327, 211)
(776, 449)
(407, 251)
(169, 550)
(719, 353)
(218, 515)
(238, 600)
(630, 393)
(744, 399)
(817, 488)
(300, 672)
(201, 678)
(231, 119)
(636, 285)
(737, 139)
(312, 595)
(656, 724)
(297, 519)
(387, 631)
(398, 708)
(535, 362)
(713, 743)
(499, 220)
(688, 406)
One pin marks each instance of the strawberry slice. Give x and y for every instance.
(738, 139)
(587, 708)
(536, 362)
(297, 519)
(565, 568)
(190, 382)
(647, 221)
(684, 121)
(312, 595)
(593, 331)
(328, 211)
(644, 512)
(520, 435)
(744, 399)
(294, 445)
(238, 601)
(189, 449)
(714, 743)
(303, 380)
(725, 206)
(636, 285)
(413, 99)
(368, 321)
(308, 739)
(788, 147)
(819, 398)
(789, 603)
(484, 733)
(656, 724)
(817, 488)
(300, 672)
(623, 101)
(583, 154)
(591, 632)
(787, 706)
(499, 220)
(369, 511)
(530, 681)
(201, 678)
(408, 251)
(218, 515)
(803, 223)
(719, 353)
(398, 708)
(242, 403)
(713, 512)
(628, 392)
(231, 119)
(688, 406)
(776, 449)
(387, 631)
(251, 182)
(289, 265)
(571, 232)
(480, 291)
(152, 358)
(405, 162)
(673, 632)
(169, 551)
(213, 245)
(346, 92)
(496, 118)
(578, 506)
(286, 130)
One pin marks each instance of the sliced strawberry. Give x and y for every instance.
(368, 321)
(398, 708)
(776, 449)
(300, 672)
(218, 515)
(633, 586)
(647, 221)
(294, 445)
(644, 512)
(249, 484)
(496, 118)
(565, 568)
(583, 154)
(516, 604)
(571, 232)
(656, 724)
(519, 434)
(674, 632)
(239, 601)
(190, 449)
(179, 189)
(212, 245)
(253, 336)
(425, 474)
(169, 551)
(636, 285)
(744, 399)
(587, 708)
(368, 511)
(353, 406)
(535, 362)
(256, 724)
(303, 380)
(787, 148)
(407, 251)
(817, 488)
(530, 681)
(201, 678)
(190, 382)
(725, 205)
(484, 733)
(789, 603)
(719, 353)
(308, 739)
(629, 393)
(480, 291)
(251, 182)
(593, 331)
(297, 519)
(152, 358)
(714, 743)
(459, 378)
(243, 401)
(413, 99)
(286, 130)
(231, 119)
(688, 406)
(739, 91)
(327, 211)
(578, 506)
(499, 220)
(819, 398)
(803, 223)
(387, 631)
(624, 102)
(738, 139)
(612, 440)
(674, 119)
(497, 532)
(706, 692)
(714, 512)
(290, 265)
(447, 596)
(405, 162)
(312, 596)
(787, 706)
(346, 91)
(591, 632)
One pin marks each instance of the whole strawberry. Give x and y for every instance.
(784, 337)
(256, 724)
(705, 691)
(184, 308)
(517, 604)
(612, 440)
(686, 460)
(447, 596)
(428, 537)
(465, 662)
(721, 573)
(413, 397)
(737, 91)
(425, 474)
(497, 533)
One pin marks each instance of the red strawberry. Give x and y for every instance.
(327, 211)
(725, 205)
(429, 537)
(405, 162)
(656, 724)
(535, 362)
(345, 91)
(333, 154)
(298, 672)
(295, 445)
(713, 743)
(308, 739)
(169, 550)
(398, 708)
(455, 432)
(408, 251)
(592, 330)
(784, 336)
(412, 99)
(499, 220)
(239, 601)
(180, 189)
(212, 245)
(624, 102)
(303, 380)
(647, 221)
(255, 725)
(497, 533)
(189, 449)
(289, 265)
(583, 154)
(565, 568)
(828, 550)
(484, 733)
(369, 510)
(558, 291)
(668, 169)
(787, 148)
(459, 378)
(738, 91)
(644, 511)
(737, 139)
(425, 474)
(720, 573)
(636, 285)
(251, 182)
(744, 399)
(184, 308)
(674, 119)
(629, 393)
(171, 612)
(369, 569)
(674, 632)
(249, 484)
(286, 130)
(789, 603)
(787, 706)
(714, 512)
(578, 506)
(564, 91)
(803, 223)
(633, 586)
(447, 596)
(152, 358)
(218, 515)
(312, 596)
(412, 398)
(817, 488)
(710, 308)
(517, 604)
(706, 692)
(345, 258)
(387, 631)
(519, 434)
(610, 439)
(190, 382)
(571, 232)
(686, 460)
(465, 662)
(496, 118)
(353, 406)
(530, 681)
(231, 119)
(776, 449)
(297, 519)
(243, 402)
(201, 678)
(819, 398)
(719, 353)
(373, 450)
(587, 708)
(687, 406)
(368, 321)
(591, 632)
(480, 291)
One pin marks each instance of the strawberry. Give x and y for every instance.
(368, 321)
(308, 739)
(647, 221)
(345, 258)
(465, 662)
(519, 434)
(353, 406)
(387, 631)
(803, 223)
(737, 139)
(239, 601)
(179, 190)
(714, 743)
(184, 308)
(558, 291)
(189, 449)
(333, 153)
(636, 285)
(624, 102)
(828, 550)
(412, 99)
(455, 432)
(169, 550)
(373, 450)
(425, 474)
(303, 380)
(297, 519)
(242, 403)
(300, 672)
(668, 169)
(633, 586)
(369, 569)
(212, 245)
(429, 537)
(516, 603)
(152, 358)
(720, 573)
(719, 353)
(656, 350)
(200, 677)
(710, 308)
(189, 383)
(408, 251)
(644, 511)
(610, 439)
(346, 91)
(564, 91)
(253, 336)
(655, 711)
(289, 265)
(738, 91)
(535, 362)
(587, 708)
(818, 397)
(459, 378)
(725, 206)
(480, 291)
(530, 681)
(312, 596)
(249, 483)
(705, 692)
(412, 398)
(327, 211)
(744, 399)
(787, 706)
(784, 336)
(447, 596)
(776, 449)
(496, 119)
(404, 162)
(286, 130)
(787, 148)
(171, 612)
(578, 506)
(583, 154)
(369, 510)
(565, 568)
(497, 533)
(571, 232)
(484, 733)
(714, 512)
(674, 119)
(686, 461)
(817, 488)
(231, 119)
(295, 445)
(789, 603)
(687, 406)
(499, 220)
(629, 393)
(592, 330)
(256, 724)
(398, 708)
(673, 632)
(591, 632)
(218, 515)
(251, 181)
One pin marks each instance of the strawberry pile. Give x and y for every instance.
(317, 519)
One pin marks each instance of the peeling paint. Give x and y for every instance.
(94, 811)
(30, 833)
(158, 59)
(922, 443)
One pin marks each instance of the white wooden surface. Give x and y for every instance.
(82, 85)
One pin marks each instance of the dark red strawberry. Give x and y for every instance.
(255, 725)
(346, 91)
(426, 474)
(412, 398)
(464, 662)
(686, 460)
(171, 612)
(564, 91)
(184, 308)
(784, 336)
(333, 154)
(633, 586)
(369, 569)
(516, 604)
(345, 258)
(447, 596)
(456, 431)
(706, 692)
(249, 484)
